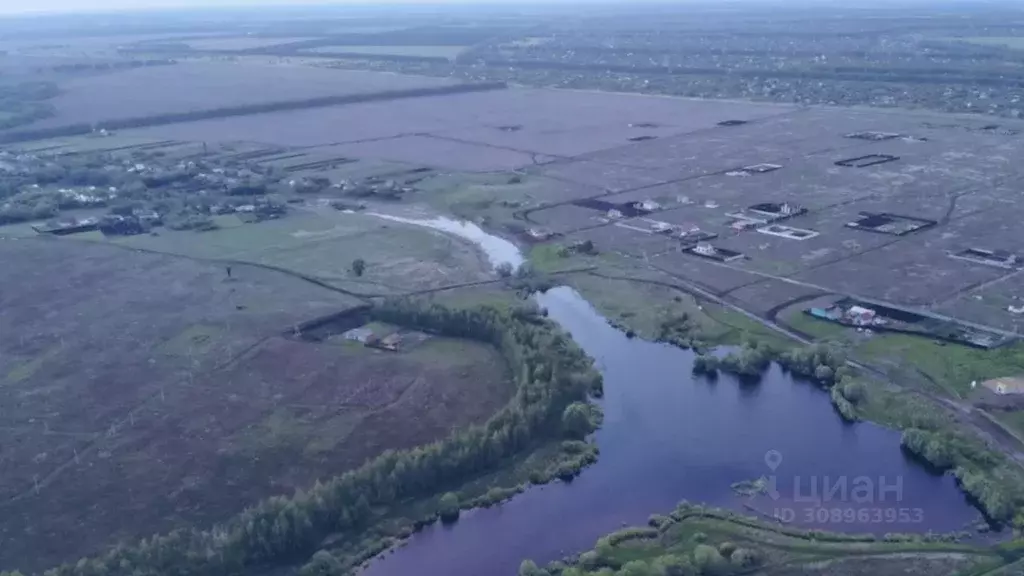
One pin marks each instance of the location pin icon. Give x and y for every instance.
(773, 458)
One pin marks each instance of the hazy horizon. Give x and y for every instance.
(101, 6)
(91, 6)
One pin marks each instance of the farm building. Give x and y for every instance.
(860, 316)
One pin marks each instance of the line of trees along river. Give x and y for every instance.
(551, 374)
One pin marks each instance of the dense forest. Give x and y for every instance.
(553, 378)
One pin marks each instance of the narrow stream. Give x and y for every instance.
(498, 250)
(669, 436)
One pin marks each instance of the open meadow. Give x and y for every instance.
(145, 392)
(198, 86)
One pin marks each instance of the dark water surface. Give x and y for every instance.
(668, 436)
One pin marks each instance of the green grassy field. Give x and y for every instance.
(323, 244)
(950, 367)
(632, 297)
(1013, 420)
(819, 329)
(490, 198)
(162, 372)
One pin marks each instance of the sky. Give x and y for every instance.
(68, 6)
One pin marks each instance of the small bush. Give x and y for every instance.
(745, 558)
(708, 560)
(448, 507)
(726, 549)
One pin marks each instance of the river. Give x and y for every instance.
(669, 436)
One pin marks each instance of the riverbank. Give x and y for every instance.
(644, 301)
(668, 436)
(694, 539)
(539, 436)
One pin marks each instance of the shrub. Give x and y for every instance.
(708, 560)
(745, 558)
(322, 563)
(358, 266)
(726, 549)
(855, 392)
(530, 568)
(824, 373)
(576, 420)
(705, 364)
(672, 565)
(448, 507)
(658, 521)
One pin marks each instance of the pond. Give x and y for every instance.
(669, 436)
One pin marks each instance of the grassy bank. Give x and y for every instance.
(949, 366)
(645, 303)
(694, 540)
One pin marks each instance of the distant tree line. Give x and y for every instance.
(26, 102)
(248, 109)
(935, 75)
(552, 375)
(84, 66)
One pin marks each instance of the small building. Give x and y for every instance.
(146, 216)
(361, 335)
(662, 227)
(705, 249)
(744, 224)
(1005, 386)
(114, 225)
(391, 342)
(648, 205)
(861, 316)
(614, 214)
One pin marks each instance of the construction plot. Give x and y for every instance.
(787, 232)
(894, 224)
(873, 136)
(754, 169)
(865, 161)
(1000, 258)
(707, 250)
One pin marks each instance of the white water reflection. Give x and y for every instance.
(498, 250)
